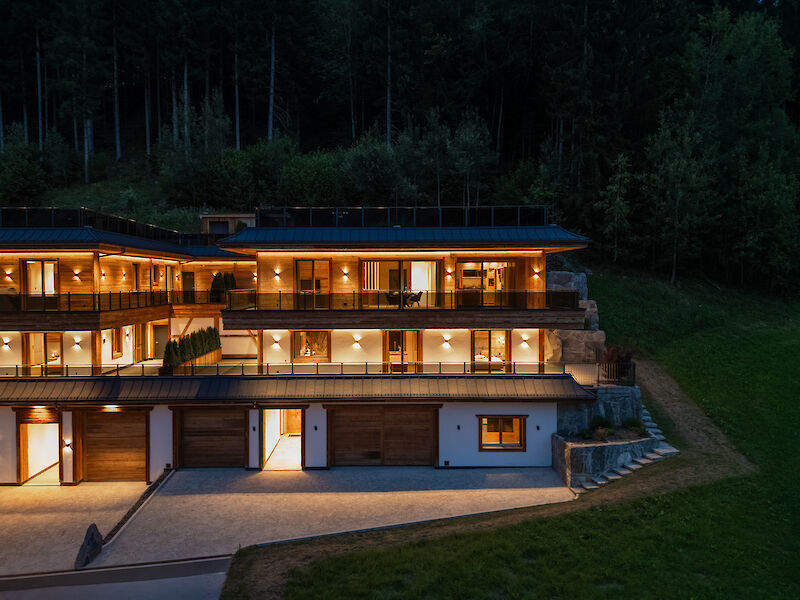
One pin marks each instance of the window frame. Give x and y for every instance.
(521, 447)
(507, 363)
(116, 342)
(309, 359)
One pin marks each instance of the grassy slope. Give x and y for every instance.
(739, 357)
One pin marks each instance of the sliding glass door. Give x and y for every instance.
(313, 284)
(40, 284)
(400, 284)
(401, 351)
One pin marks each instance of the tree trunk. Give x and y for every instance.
(25, 122)
(438, 186)
(158, 92)
(75, 135)
(236, 95)
(186, 140)
(147, 101)
(388, 73)
(39, 93)
(116, 100)
(86, 150)
(2, 134)
(271, 82)
(500, 122)
(174, 109)
(206, 110)
(91, 136)
(46, 103)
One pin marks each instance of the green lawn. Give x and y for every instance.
(739, 356)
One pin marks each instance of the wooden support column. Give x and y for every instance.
(96, 349)
(260, 350)
(541, 350)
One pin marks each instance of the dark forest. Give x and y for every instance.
(665, 130)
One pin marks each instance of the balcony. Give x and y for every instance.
(248, 309)
(585, 374)
(73, 311)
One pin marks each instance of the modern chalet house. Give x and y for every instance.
(351, 337)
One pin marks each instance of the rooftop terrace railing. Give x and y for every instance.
(406, 300)
(401, 216)
(587, 374)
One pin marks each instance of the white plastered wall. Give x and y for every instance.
(459, 434)
(127, 347)
(315, 437)
(10, 351)
(177, 326)
(8, 445)
(525, 350)
(451, 347)
(78, 351)
(160, 441)
(356, 347)
(67, 455)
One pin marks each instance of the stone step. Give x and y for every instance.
(612, 476)
(633, 467)
(653, 456)
(658, 436)
(588, 485)
(666, 450)
(642, 461)
(649, 424)
(599, 480)
(621, 471)
(645, 412)
(653, 430)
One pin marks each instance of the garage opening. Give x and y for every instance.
(283, 439)
(382, 435)
(39, 450)
(115, 445)
(213, 437)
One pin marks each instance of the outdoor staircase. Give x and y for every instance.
(661, 452)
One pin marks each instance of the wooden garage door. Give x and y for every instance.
(382, 435)
(213, 437)
(115, 446)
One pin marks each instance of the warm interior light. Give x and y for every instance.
(39, 406)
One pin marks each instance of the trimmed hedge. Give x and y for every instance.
(191, 346)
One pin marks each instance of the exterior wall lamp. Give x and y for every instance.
(5, 343)
(8, 275)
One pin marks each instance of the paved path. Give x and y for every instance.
(215, 511)
(42, 527)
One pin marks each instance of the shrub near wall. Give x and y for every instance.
(192, 348)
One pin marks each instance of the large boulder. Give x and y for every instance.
(91, 547)
(574, 345)
(567, 280)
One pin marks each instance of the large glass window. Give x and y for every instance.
(484, 283)
(313, 283)
(401, 351)
(501, 432)
(400, 284)
(490, 350)
(311, 346)
(43, 349)
(40, 283)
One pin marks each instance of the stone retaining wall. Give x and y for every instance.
(575, 461)
(614, 402)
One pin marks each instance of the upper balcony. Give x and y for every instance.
(248, 309)
(101, 310)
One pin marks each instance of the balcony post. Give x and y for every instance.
(69, 302)
(117, 369)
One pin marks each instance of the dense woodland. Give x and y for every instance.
(665, 130)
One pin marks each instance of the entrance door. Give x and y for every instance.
(39, 446)
(188, 287)
(160, 339)
(382, 435)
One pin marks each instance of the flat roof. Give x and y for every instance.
(293, 237)
(226, 389)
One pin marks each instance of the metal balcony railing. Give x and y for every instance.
(586, 374)
(401, 300)
(106, 301)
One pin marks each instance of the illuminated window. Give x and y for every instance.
(490, 350)
(501, 432)
(311, 346)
